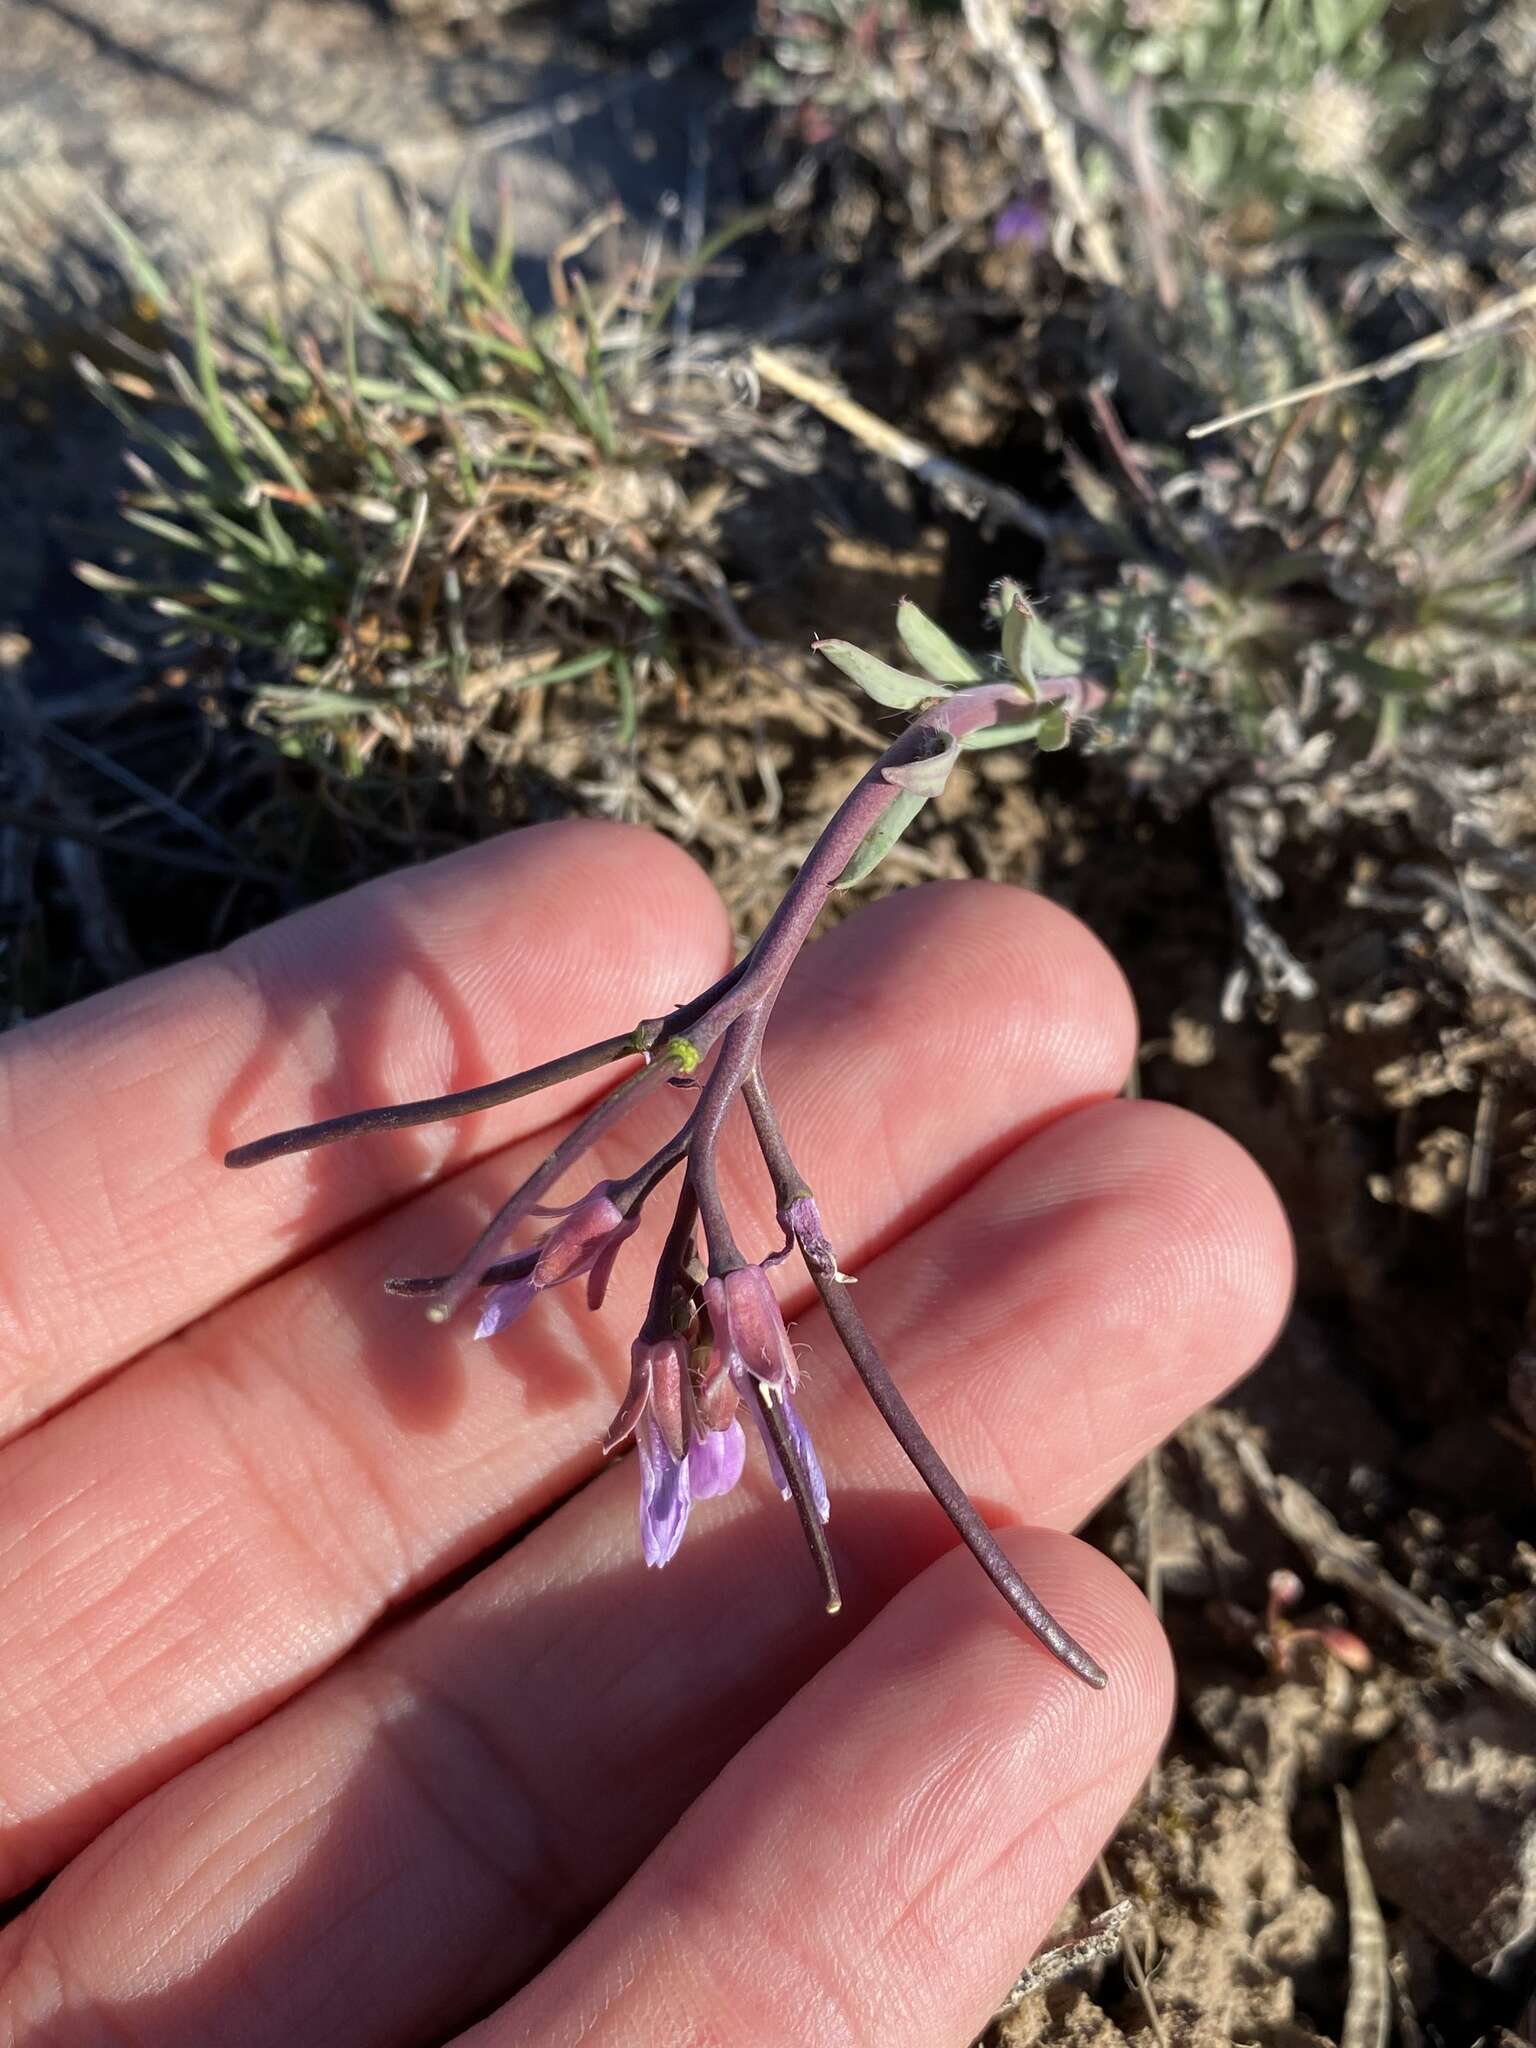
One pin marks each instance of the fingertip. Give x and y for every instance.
(884, 1855)
(1184, 1244)
(1220, 1212)
(592, 881)
(953, 1603)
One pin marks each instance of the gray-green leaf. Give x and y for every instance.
(888, 686)
(1009, 735)
(931, 647)
(928, 776)
(879, 840)
(1016, 618)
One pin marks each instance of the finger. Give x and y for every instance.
(200, 1537)
(879, 1862)
(466, 1791)
(118, 1220)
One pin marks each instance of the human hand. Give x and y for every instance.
(319, 1759)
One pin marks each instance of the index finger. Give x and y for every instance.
(118, 1220)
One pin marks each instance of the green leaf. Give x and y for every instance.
(1031, 649)
(266, 444)
(931, 647)
(1055, 731)
(643, 600)
(1016, 618)
(167, 529)
(889, 686)
(1388, 678)
(97, 578)
(140, 427)
(602, 414)
(578, 402)
(279, 547)
(505, 251)
(879, 840)
(926, 777)
(712, 246)
(1009, 735)
(624, 683)
(432, 380)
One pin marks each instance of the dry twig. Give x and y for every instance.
(1433, 348)
(1368, 2010)
(991, 23)
(1345, 1562)
(958, 486)
(1096, 1943)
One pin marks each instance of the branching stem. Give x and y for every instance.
(727, 1024)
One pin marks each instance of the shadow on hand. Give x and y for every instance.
(359, 964)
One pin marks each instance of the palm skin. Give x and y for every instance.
(317, 1755)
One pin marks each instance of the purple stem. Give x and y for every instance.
(738, 1055)
(689, 1032)
(400, 1116)
(672, 1267)
(465, 1275)
(627, 1195)
(789, 1187)
(763, 972)
(800, 1493)
(850, 824)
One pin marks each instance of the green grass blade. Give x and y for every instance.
(136, 264)
(218, 419)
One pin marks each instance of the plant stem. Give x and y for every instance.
(438, 1108)
(800, 1493)
(738, 1054)
(613, 1106)
(672, 1267)
(789, 1186)
(491, 1094)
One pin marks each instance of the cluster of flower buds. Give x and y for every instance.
(714, 1340)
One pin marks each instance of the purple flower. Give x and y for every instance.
(585, 1240)
(752, 1352)
(681, 1459)
(805, 1450)
(748, 1331)
(1024, 220)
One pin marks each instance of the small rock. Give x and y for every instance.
(1191, 1040)
(1447, 1813)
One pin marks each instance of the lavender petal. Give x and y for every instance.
(665, 1495)
(800, 1437)
(503, 1305)
(715, 1460)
